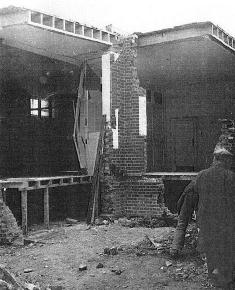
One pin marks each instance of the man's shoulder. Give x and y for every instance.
(212, 169)
(203, 172)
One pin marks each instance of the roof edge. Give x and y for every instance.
(175, 28)
(14, 9)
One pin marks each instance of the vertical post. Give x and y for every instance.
(86, 120)
(106, 86)
(24, 211)
(1, 193)
(46, 207)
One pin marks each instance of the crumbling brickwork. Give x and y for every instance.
(124, 190)
(142, 196)
(130, 157)
(9, 230)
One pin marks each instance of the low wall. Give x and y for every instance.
(133, 196)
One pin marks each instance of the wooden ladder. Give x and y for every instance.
(93, 207)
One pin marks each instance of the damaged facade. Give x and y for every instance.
(162, 94)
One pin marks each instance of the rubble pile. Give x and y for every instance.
(166, 219)
(9, 229)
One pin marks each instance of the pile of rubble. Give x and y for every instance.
(189, 266)
(9, 230)
(164, 220)
(9, 282)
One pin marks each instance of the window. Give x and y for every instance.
(42, 108)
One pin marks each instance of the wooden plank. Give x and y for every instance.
(46, 207)
(44, 182)
(93, 207)
(24, 211)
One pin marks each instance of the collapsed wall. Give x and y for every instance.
(124, 189)
(9, 230)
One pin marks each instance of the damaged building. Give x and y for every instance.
(125, 122)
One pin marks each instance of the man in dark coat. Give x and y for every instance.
(215, 190)
(186, 206)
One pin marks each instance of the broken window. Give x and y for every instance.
(41, 108)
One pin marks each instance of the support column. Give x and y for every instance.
(46, 207)
(24, 211)
(106, 85)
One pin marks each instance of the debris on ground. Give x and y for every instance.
(44, 236)
(54, 288)
(168, 264)
(4, 285)
(30, 286)
(165, 220)
(111, 251)
(70, 221)
(105, 222)
(82, 267)
(179, 269)
(28, 270)
(98, 221)
(117, 271)
(100, 265)
(125, 249)
(9, 282)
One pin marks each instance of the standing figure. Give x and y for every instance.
(215, 190)
(186, 206)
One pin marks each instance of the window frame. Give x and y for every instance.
(39, 109)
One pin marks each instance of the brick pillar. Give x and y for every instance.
(130, 156)
(124, 190)
(9, 230)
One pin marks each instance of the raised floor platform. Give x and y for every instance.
(32, 183)
(24, 184)
(172, 175)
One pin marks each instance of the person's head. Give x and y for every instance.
(223, 155)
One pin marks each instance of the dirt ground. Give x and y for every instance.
(55, 259)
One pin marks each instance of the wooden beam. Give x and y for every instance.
(24, 211)
(46, 207)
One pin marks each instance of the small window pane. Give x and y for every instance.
(44, 104)
(45, 113)
(34, 113)
(34, 103)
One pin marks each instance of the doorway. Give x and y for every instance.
(184, 141)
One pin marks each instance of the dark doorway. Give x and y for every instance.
(183, 133)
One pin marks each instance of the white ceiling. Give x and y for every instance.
(55, 45)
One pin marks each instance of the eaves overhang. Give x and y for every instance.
(190, 54)
(182, 32)
(53, 36)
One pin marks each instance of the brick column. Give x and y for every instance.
(124, 190)
(130, 157)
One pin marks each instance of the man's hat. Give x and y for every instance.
(222, 150)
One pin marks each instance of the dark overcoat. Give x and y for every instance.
(215, 187)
